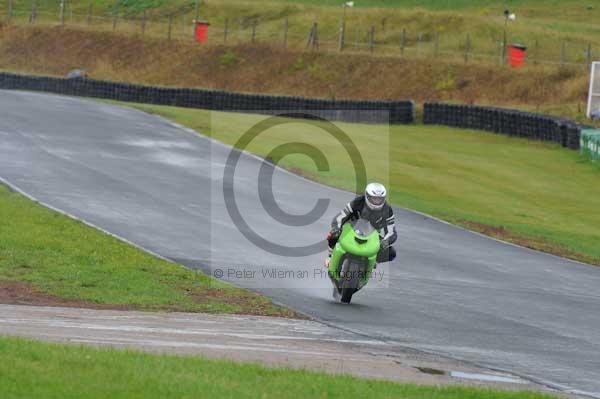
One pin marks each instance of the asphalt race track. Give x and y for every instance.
(450, 291)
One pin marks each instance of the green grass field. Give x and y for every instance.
(66, 259)
(444, 4)
(39, 370)
(532, 193)
(426, 4)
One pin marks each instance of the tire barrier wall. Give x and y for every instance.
(590, 143)
(364, 111)
(510, 122)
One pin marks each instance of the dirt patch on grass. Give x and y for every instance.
(303, 173)
(251, 303)
(242, 302)
(538, 244)
(20, 293)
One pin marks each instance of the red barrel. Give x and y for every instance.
(201, 31)
(516, 55)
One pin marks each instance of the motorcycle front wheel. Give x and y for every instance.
(350, 279)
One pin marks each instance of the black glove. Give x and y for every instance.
(332, 237)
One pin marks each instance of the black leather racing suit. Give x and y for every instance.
(381, 219)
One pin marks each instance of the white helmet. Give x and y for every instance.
(375, 195)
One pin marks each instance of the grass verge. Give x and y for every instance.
(49, 259)
(531, 193)
(41, 370)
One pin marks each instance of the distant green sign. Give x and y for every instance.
(590, 143)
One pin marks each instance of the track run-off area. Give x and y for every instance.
(450, 292)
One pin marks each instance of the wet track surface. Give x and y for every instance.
(450, 291)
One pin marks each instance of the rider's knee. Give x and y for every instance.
(386, 255)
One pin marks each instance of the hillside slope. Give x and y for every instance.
(265, 69)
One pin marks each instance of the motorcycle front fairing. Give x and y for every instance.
(358, 239)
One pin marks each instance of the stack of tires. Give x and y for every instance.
(504, 121)
(361, 111)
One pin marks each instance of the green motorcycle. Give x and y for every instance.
(353, 258)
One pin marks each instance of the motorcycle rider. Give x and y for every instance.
(372, 205)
